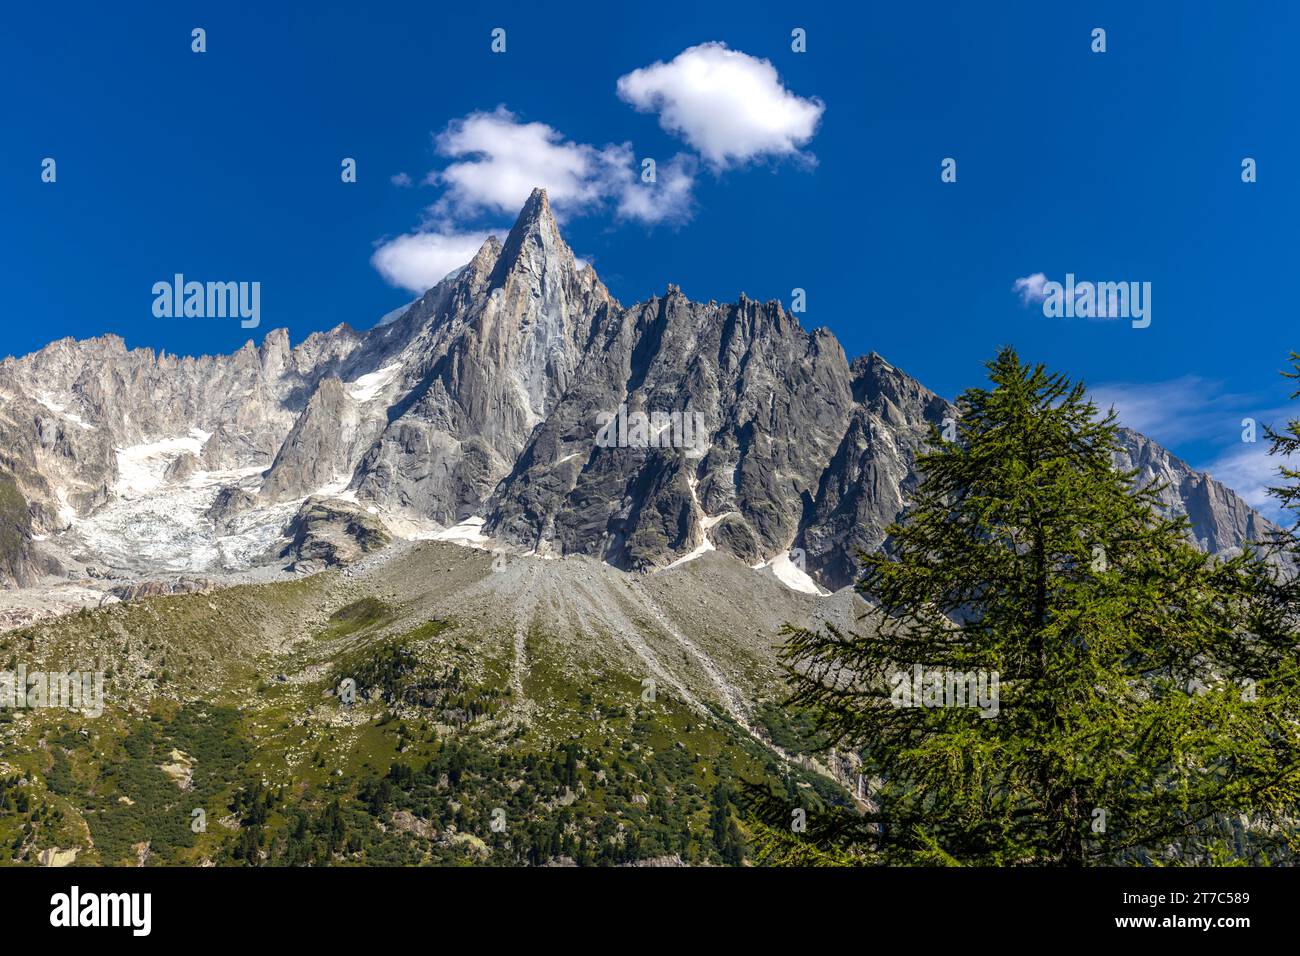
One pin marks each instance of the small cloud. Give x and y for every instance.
(420, 260)
(400, 179)
(1092, 300)
(670, 199)
(729, 106)
(1030, 288)
(500, 160)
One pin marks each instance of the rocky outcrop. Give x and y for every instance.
(326, 533)
(870, 479)
(1220, 520)
(229, 502)
(507, 335)
(183, 467)
(17, 563)
(149, 589)
(320, 449)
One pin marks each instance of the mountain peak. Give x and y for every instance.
(535, 220)
(534, 243)
(537, 207)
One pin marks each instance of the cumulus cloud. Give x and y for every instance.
(1030, 288)
(729, 106)
(420, 260)
(500, 160)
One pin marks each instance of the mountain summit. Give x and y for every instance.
(478, 414)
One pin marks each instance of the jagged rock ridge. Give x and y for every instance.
(483, 400)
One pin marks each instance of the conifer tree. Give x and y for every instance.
(1285, 444)
(1147, 707)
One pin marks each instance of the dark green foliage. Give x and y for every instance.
(159, 812)
(1148, 693)
(793, 730)
(394, 672)
(357, 616)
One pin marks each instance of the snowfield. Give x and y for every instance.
(140, 468)
(368, 387)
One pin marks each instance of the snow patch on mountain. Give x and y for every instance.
(368, 387)
(168, 527)
(791, 575)
(141, 468)
(703, 548)
(389, 318)
(62, 412)
(468, 533)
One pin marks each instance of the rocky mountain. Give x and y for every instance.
(516, 404)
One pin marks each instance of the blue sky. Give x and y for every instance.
(1115, 166)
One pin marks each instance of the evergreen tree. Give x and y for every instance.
(1146, 694)
(1285, 444)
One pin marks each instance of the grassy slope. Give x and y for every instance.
(437, 762)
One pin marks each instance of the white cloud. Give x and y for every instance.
(501, 160)
(728, 105)
(420, 260)
(669, 199)
(1030, 288)
(1189, 408)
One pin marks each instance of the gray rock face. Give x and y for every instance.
(773, 400)
(1219, 518)
(229, 502)
(320, 448)
(504, 339)
(183, 467)
(491, 396)
(17, 562)
(869, 481)
(326, 533)
(149, 589)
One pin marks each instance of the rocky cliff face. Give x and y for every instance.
(490, 398)
(1219, 518)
